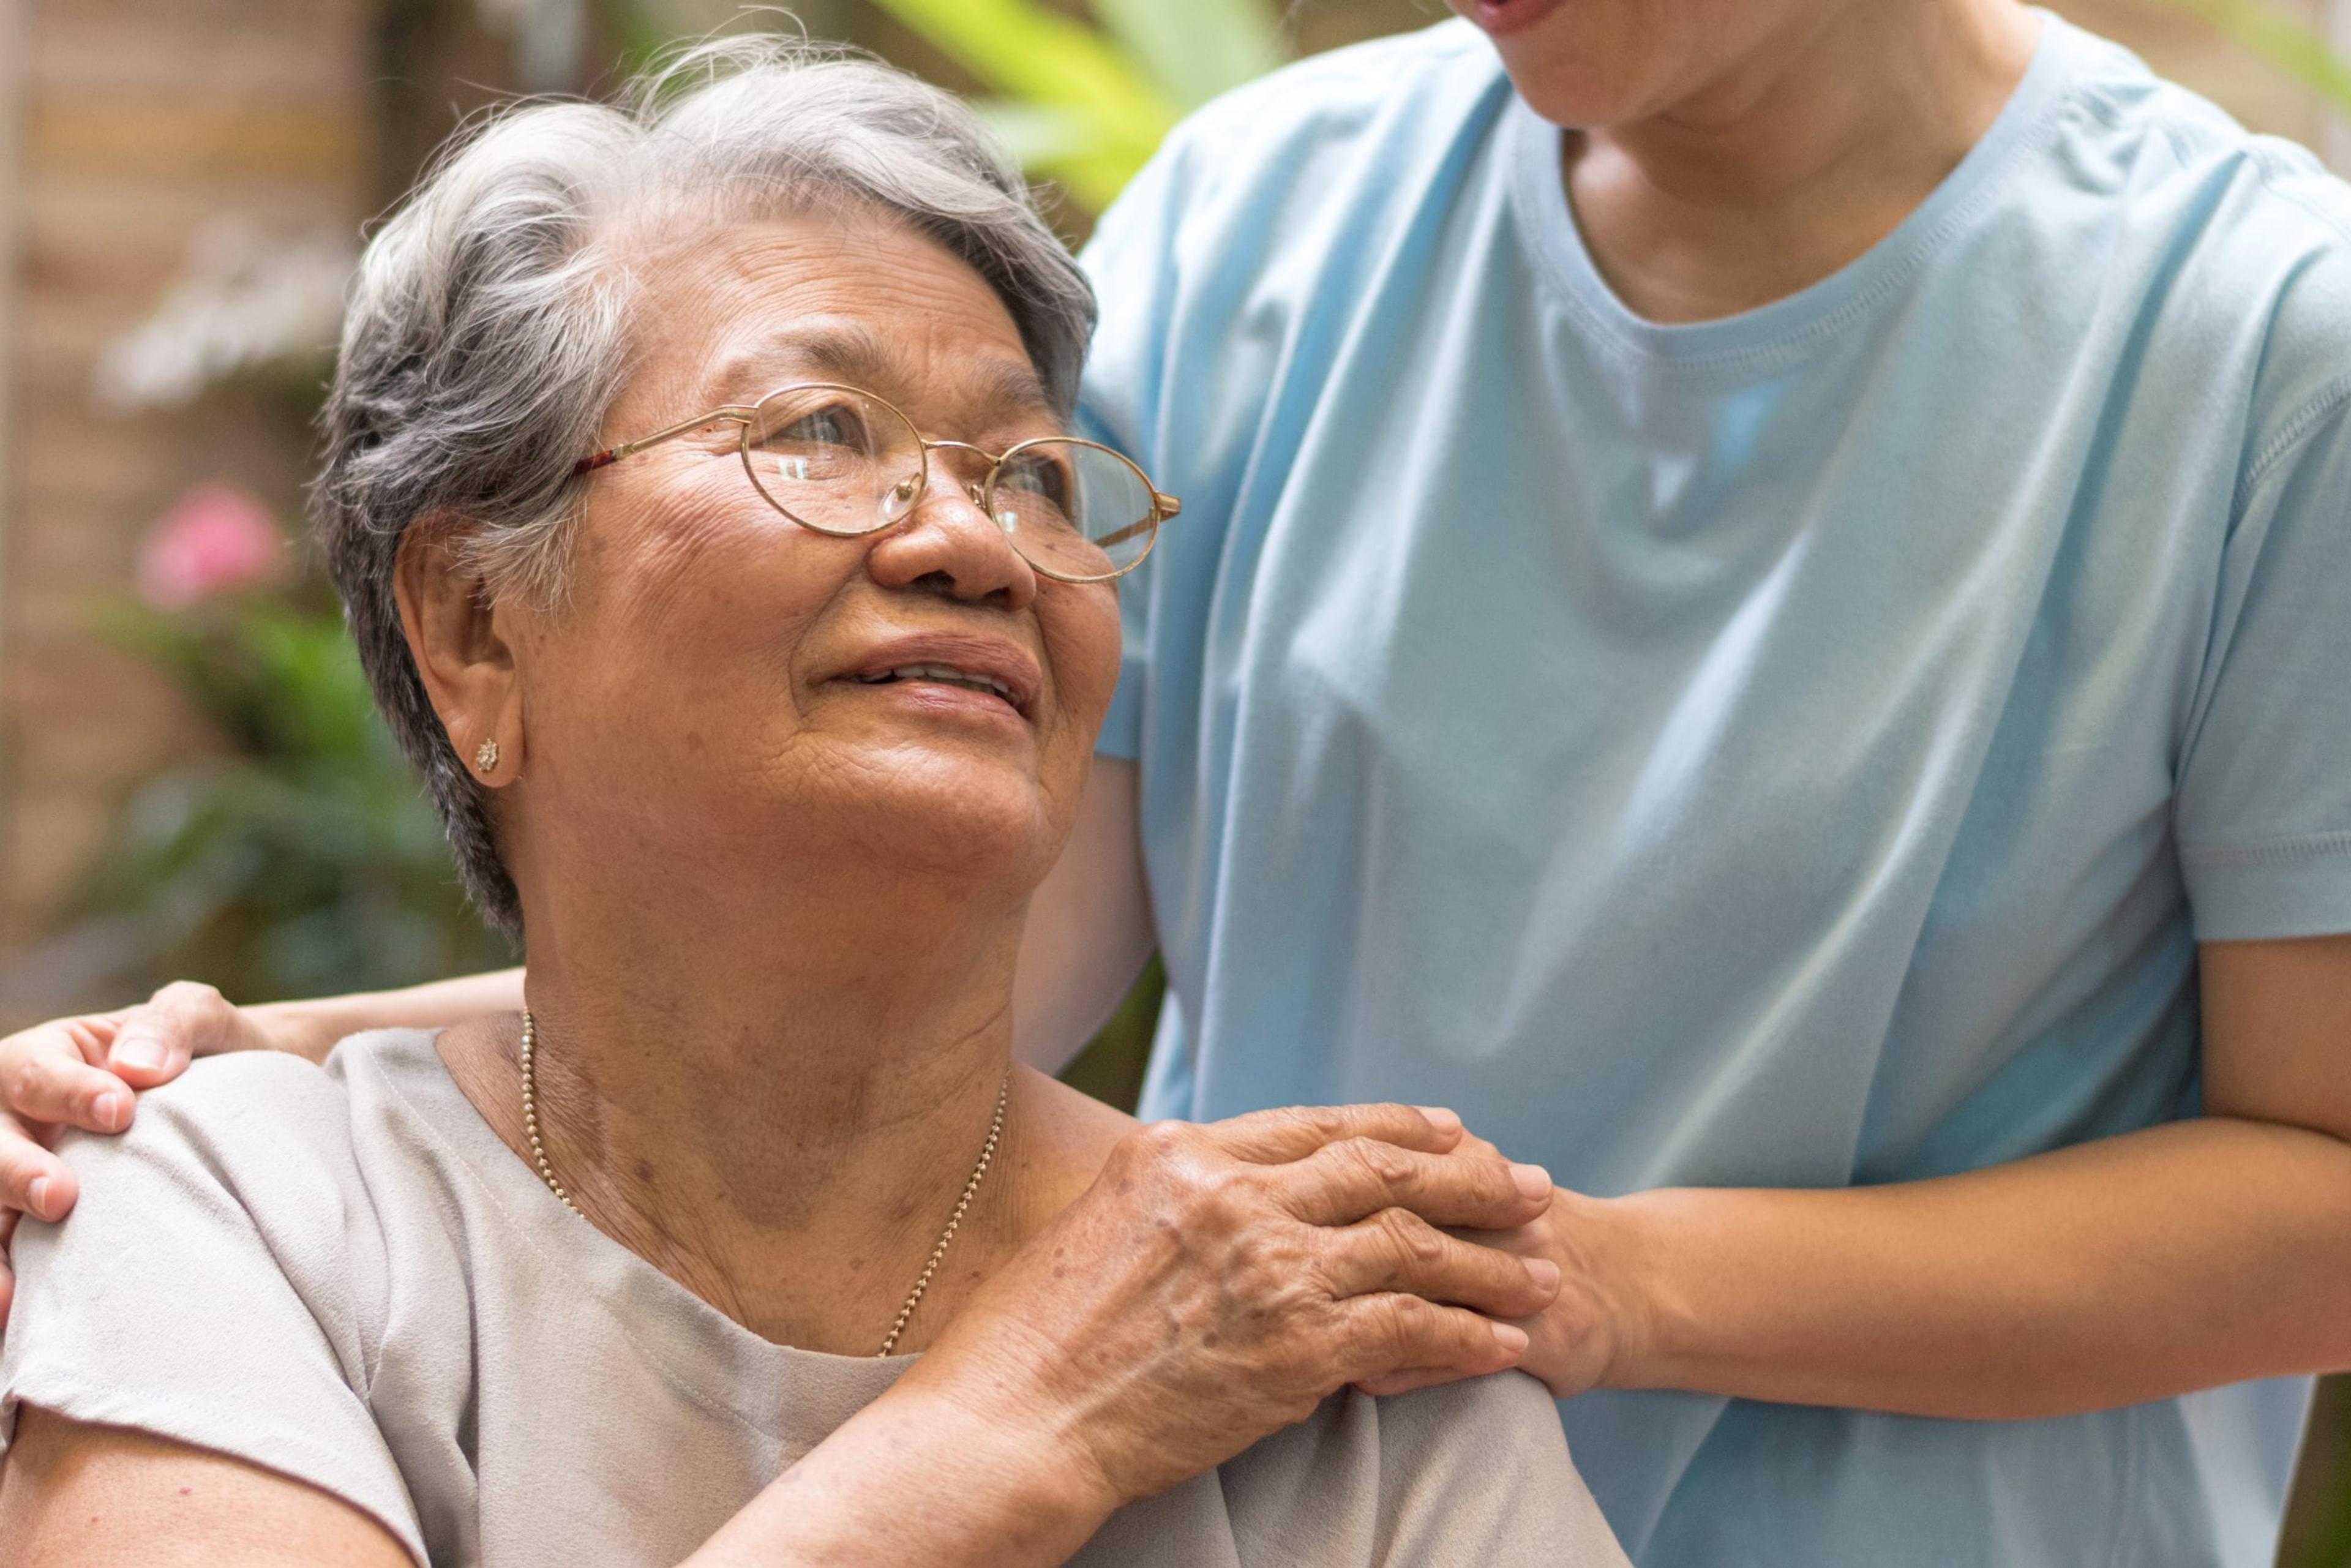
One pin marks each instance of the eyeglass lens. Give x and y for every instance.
(842, 462)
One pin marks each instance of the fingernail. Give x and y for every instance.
(1542, 1272)
(111, 1110)
(1532, 1180)
(141, 1052)
(38, 1195)
(1443, 1120)
(1510, 1337)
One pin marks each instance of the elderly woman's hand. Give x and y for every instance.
(1216, 1283)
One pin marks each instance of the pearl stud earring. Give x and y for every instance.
(486, 756)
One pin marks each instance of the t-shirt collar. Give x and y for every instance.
(1759, 342)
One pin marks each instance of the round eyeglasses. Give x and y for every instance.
(845, 462)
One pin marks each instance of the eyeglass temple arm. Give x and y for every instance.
(596, 460)
(1163, 508)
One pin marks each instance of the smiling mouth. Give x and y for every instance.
(944, 675)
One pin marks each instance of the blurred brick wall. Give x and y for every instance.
(140, 119)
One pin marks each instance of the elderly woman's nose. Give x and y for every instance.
(951, 540)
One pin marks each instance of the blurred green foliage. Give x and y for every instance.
(301, 858)
(1086, 106)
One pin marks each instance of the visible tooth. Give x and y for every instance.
(946, 673)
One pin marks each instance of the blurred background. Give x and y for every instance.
(192, 783)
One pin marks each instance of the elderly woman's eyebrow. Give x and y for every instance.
(1013, 386)
(842, 352)
(853, 354)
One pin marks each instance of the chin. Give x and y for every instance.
(1573, 88)
(953, 815)
(1587, 64)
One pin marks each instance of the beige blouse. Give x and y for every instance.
(344, 1276)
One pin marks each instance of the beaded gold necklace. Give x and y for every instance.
(954, 1221)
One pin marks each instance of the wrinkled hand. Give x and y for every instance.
(1218, 1281)
(83, 1072)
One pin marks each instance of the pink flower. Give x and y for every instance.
(216, 538)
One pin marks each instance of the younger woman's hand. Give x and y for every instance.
(1595, 1331)
(1216, 1282)
(84, 1073)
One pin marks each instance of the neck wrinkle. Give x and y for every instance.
(778, 1112)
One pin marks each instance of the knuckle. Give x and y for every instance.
(1412, 1239)
(24, 1082)
(1327, 1123)
(1384, 1162)
(1494, 1181)
(1159, 1141)
(1398, 1324)
(188, 995)
(1223, 1198)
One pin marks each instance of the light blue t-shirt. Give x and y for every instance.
(1802, 748)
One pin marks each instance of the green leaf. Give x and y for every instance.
(1018, 48)
(1195, 49)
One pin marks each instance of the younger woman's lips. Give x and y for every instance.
(1499, 17)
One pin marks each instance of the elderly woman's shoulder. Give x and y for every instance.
(1475, 1472)
(249, 1125)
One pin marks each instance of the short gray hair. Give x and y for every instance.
(488, 329)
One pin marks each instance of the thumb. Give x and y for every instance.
(155, 1041)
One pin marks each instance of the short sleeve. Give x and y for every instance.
(2264, 810)
(212, 1284)
(1478, 1472)
(1474, 1474)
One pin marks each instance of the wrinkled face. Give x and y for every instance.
(722, 686)
(1587, 64)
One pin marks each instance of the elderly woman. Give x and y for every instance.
(696, 487)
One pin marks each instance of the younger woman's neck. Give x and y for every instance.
(1796, 162)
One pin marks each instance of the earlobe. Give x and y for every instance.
(456, 642)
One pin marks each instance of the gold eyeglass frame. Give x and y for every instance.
(982, 494)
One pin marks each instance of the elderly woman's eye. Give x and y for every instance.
(1039, 475)
(837, 425)
(834, 460)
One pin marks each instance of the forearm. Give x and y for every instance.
(1089, 930)
(2132, 1268)
(917, 1476)
(311, 1028)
